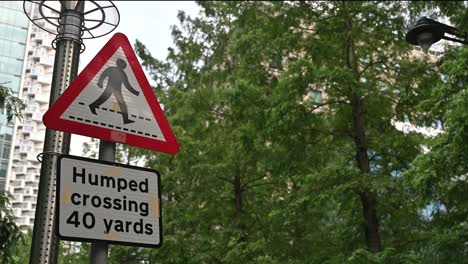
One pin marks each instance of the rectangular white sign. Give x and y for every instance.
(105, 201)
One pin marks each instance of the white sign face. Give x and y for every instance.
(114, 100)
(104, 201)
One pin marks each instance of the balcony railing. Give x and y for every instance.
(25, 148)
(20, 169)
(45, 79)
(30, 177)
(34, 72)
(33, 90)
(36, 54)
(37, 117)
(37, 137)
(45, 39)
(32, 156)
(47, 61)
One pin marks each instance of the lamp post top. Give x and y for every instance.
(99, 18)
(428, 31)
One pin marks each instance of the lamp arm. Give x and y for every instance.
(453, 31)
(463, 36)
(463, 41)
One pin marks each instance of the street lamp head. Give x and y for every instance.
(426, 32)
(94, 19)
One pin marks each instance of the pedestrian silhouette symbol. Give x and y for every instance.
(116, 77)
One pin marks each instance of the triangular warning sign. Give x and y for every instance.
(112, 100)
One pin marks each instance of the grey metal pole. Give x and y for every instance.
(44, 249)
(99, 250)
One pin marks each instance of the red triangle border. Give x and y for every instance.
(52, 118)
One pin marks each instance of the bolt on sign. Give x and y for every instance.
(104, 201)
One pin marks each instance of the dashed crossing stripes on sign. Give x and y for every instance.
(112, 126)
(113, 111)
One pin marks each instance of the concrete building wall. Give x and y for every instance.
(23, 177)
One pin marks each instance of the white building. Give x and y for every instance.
(28, 136)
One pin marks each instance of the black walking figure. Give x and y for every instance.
(116, 76)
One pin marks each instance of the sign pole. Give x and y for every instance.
(99, 250)
(45, 245)
(71, 24)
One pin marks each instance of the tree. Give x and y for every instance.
(11, 235)
(438, 178)
(123, 153)
(10, 103)
(74, 252)
(23, 250)
(267, 171)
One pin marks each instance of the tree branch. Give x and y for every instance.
(258, 184)
(317, 106)
(225, 179)
(390, 155)
(370, 64)
(304, 28)
(335, 133)
(244, 186)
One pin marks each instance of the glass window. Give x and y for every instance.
(12, 49)
(8, 133)
(315, 96)
(14, 17)
(10, 81)
(13, 33)
(6, 150)
(3, 168)
(16, 5)
(11, 65)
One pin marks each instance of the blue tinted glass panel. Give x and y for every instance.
(10, 81)
(13, 33)
(6, 150)
(13, 17)
(10, 65)
(9, 132)
(3, 168)
(16, 5)
(12, 49)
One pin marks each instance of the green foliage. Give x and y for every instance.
(11, 236)
(266, 175)
(24, 249)
(74, 252)
(123, 153)
(10, 104)
(388, 256)
(439, 176)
